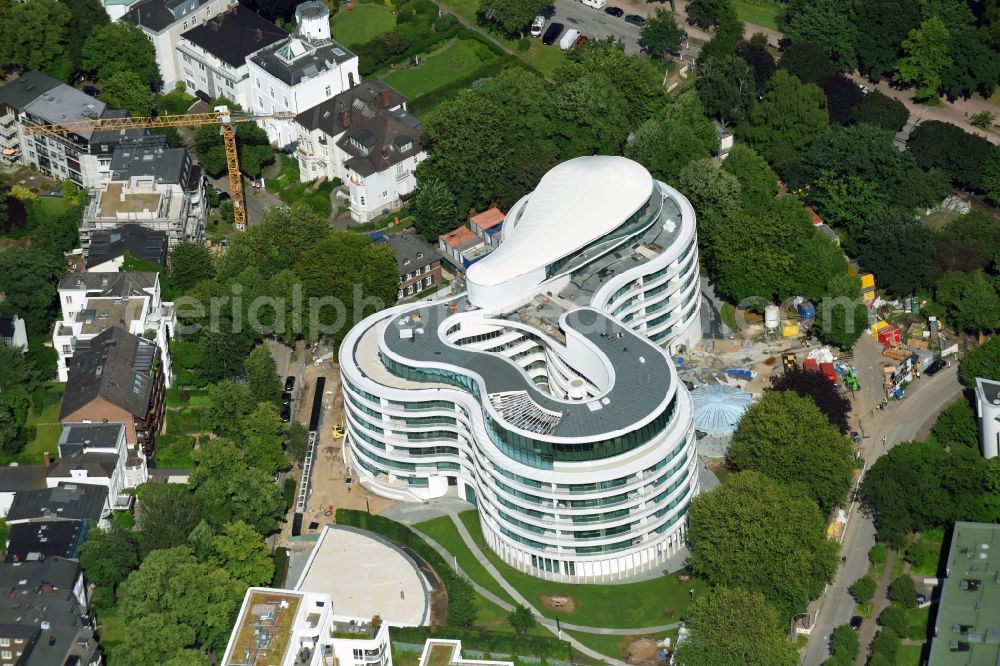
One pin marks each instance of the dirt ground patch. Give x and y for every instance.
(559, 603)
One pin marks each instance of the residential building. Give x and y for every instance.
(299, 72)
(92, 303)
(365, 137)
(164, 21)
(546, 392)
(65, 501)
(18, 478)
(13, 333)
(150, 185)
(488, 225)
(36, 541)
(81, 156)
(462, 247)
(967, 620)
(213, 55)
(417, 261)
(97, 454)
(287, 628)
(116, 377)
(44, 621)
(988, 413)
(107, 249)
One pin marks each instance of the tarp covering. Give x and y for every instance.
(718, 408)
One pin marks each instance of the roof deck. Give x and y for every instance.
(117, 201)
(265, 629)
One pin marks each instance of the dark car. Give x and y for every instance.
(549, 12)
(935, 367)
(635, 20)
(286, 413)
(91, 90)
(286, 398)
(552, 33)
(224, 196)
(289, 383)
(617, 12)
(856, 622)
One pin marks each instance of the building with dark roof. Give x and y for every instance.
(17, 478)
(13, 333)
(417, 261)
(95, 302)
(107, 249)
(299, 72)
(38, 540)
(14, 96)
(117, 377)
(213, 55)
(66, 501)
(164, 21)
(365, 137)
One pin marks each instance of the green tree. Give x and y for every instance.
(589, 116)
(190, 263)
(252, 145)
(229, 403)
(714, 193)
(728, 35)
(275, 244)
(512, 17)
(734, 626)
(825, 24)
(262, 376)
(758, 182)
(786, 437)
(667, 144)
(638, 78)
(863, 589)
(841, 315)
(898, 249)
(521, 619)
(109, 556)
(978, 309)
(894, 617)
(661, 37)
(903, 592)
(153, 640)
(263, 437)
(125, 90)
(882, 25)
(882, 111)
(433, 210)
(884, 648)
(761, 535)
(706, 13)
(790, 116)
(11, 435)
(975, 65)
(727, 88)
(956, 425)
(117, 47)
(926, 58)
(844, 642)
(167, 514)
(820, 390)
(201, 541)
(28, 280)
(241, 551)
(807, 62)
(965, 157)
(298, 441)
(757, 54)
(35, 35)
(228, 489)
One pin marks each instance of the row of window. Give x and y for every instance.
(414, 288)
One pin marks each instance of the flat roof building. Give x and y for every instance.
(967, 620)
(107, 250)
(546, 390)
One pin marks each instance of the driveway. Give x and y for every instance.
(901, 421)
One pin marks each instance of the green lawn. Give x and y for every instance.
(112, 629)
(757, 12)
(360, 23)
(919, 617)
(175, 452)
(909, 655)
(45, 421)
(458, 60)
(444, 532)
(644, 604)
(49, 207)
(465, 8)
(616, 647)
(290, 190)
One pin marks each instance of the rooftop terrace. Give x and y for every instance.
(265, 629)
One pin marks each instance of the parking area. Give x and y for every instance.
(595, 23)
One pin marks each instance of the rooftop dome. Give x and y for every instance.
(718, 408)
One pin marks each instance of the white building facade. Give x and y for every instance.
(546, 393)
(988, 412)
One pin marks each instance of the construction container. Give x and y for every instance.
(828, 371)
(772, 314)
(789, 328)
(878, 326)
(810, 364)
(889, 336)
(806, 310)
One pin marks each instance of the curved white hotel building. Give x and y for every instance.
(545, 392)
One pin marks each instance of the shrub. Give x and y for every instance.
(903, 592)
(885, 645)
(445, 23)
(280, 566)
(844, 643)
(495, 643)
(863, 589)
(877, 554)
(894, 617)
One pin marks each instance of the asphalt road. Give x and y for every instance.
(595, 24)
(899, 422)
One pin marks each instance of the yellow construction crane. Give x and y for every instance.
(221, 116)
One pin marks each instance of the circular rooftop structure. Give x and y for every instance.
(718, 408)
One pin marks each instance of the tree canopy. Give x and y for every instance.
(824, 393)
(511, 16)
(109, 556)
(117, 47)
(661, 37)
(125, 90)
(790, 116)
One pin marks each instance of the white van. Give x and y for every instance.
(568, 40)
(536, 26)
(596, 4)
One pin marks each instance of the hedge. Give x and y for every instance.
(488, 641)
(280, 566)
(461, 598)
(422, 104)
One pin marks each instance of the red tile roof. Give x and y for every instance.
(458, 237)
(488, 218)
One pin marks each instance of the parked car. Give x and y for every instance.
(286, 413)
(536, 26)
(856, 622)
(568, 40)
(635, 20)
(552, 33)
(286, 398)
(289, 383)
(224, 196)
(935, 367)
(617, 12)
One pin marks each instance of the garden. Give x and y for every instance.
(358, 23)
(290, 190)
(42, 425)
(456, 61)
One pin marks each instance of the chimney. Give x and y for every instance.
(47, 458)
(385, 98)
(345, 119)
